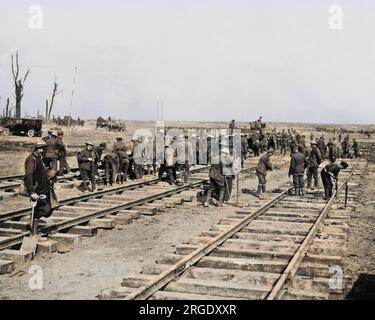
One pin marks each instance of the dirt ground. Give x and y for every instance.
(360, 262)
(102, 261)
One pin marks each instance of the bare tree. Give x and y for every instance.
(18, 83)
(55, 92)
(7, 113)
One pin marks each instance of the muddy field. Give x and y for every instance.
(102, 261)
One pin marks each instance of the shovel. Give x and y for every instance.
(30, 243)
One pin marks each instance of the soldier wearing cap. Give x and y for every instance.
(217, 181)
(38, 183)
(52, 148)
(169, 163)
(123, 155)
(138, 156)
(86, 161)
(61, 154)
(185, 157)
(314, 159)
(298, 163)
(329, 172)
(264, 165)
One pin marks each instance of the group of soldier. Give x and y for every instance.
(176, 155)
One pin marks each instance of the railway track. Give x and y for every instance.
(283, 249)
(84, 214)
(10, 185)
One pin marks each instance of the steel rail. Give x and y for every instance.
(60, 226)
(97, 194)
(181, 266)
(177, 269)
(295, 262)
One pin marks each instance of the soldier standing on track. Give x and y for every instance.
(217, 182)
(123, 158)
(283, 143)
(38, 183)
(329, 172)
(53, 145)
(138, 158)
(169, 162)
(314, 160)
(111, 167)
(184, 157)
(297, 167)
(264, 165)
(355, 148)
(228, 172)
(61, 154)
(244, 149)
(322, 147)
(86, 160)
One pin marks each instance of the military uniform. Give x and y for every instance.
(322, 147)
(314, 160)
(51, 154)
(297, 167)
(111, 167)
(263, 166)
(217, 181)
(328, 171)
(86, 161)
(139, 159)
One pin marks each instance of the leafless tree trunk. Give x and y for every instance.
(18, 83)
(54, 94)
(7, 113)
(46, 109)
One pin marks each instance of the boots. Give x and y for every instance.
(263, 188)
(326, 196)
(301, 191)
(221, 198)
(207, 199)
(259, 190)
(296, 191)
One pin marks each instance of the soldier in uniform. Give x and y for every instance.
(86, 161)
(355, 148)
(184, 156)
(329, 172)
(322, 147)
(53, 145)
(169, 162)
(244, 149)
(314, 159)
(39, 185)
(228, 172)
(217, 182)
(264, 165)
(297, 167)
(123, 159)
(62, 154)
(111, 167)
(283, 143)
(138, 158)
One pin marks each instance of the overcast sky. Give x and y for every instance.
(211, 60)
